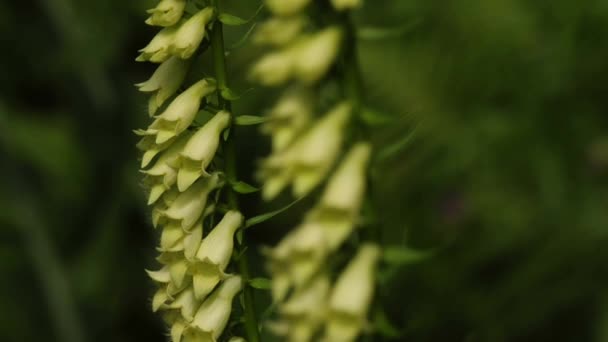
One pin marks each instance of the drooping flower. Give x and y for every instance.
(148, 145)
(352, 296)
(190, 34)
(163, 174)
(339, 207)
(214, 254)
(286, 7)
(297, 258)
(159, 48)
(166, 13)
(279, 31)
(274, 68)
(177, 267)
(308, 160)
(200, 150)
(211, 318)
(188, 207)
(181, 112)
(288, 118)
(304, 312)
(165, 81)
(314, 55)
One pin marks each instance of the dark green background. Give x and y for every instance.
(495, 158)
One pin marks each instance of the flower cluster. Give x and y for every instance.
(195, 293)
(299, 263)
(305, 148)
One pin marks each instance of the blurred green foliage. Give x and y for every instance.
(492, 168)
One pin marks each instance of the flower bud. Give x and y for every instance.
(158, 50)
(181, 112)
(274, 68)
(352, 296)
(214, 254)
(286, 7)
(316, 54)
(189, 205)
(212, 317)
(342, 5)
(163, 174)
(200, 150)
(165, 81)
(288, 118)
(166, 13)
(190, 34)
(279, 31)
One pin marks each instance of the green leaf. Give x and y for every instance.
(231, 20)
(239, 239)
(384, 326)
(265, 217)
(229, 94)
(243, 39)
(374, 117)
(397, 146)
(243, 188)
(226, 134)
(247, 120)
(404, 255)
(380, 33)
(260, 283)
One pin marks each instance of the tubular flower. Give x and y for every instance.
(308, 160)
(181, 112)
(148, 145)
(190, 34)
(165, 81)
(274, 68)
(341, 201)
(163, 174)
(211, 318)
(279, 31)
(307, 59)
(305, 310)
(314, 55)
(214, 254)
(288, 118)
(176, 163)
(352, 296)
(188, 207)
(286, 7)
(159, 48)
(200, 150)
(166, 13)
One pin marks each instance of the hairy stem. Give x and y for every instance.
(219, 61)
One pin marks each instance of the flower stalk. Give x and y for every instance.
(219, 63)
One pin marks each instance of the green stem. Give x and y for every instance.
(219, 61)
